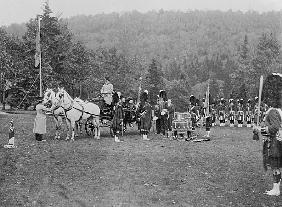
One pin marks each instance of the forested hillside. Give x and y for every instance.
(183, 49)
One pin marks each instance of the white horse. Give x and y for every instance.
(77, 110)
(57, 111)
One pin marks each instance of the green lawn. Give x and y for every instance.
(226, 171)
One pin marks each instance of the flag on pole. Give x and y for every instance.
(207, 99)
(37, 42)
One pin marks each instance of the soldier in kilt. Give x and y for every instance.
(272, 131)
(240, 113)
(157, 114)
(145, 112)
(208, 122)
(231, 113)
(221, 112)
(163, 112)
(249, 113)
(117, 124)
(213, 116)
(171, 109)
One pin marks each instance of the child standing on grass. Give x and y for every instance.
(39, 128)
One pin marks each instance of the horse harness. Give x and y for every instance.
(81, 110)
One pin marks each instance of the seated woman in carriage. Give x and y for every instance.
(107, 92)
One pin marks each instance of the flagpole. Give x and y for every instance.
(40, 73)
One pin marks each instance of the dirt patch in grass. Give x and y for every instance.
(226, 171)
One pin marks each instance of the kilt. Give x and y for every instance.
(272, 154)
(146, 118)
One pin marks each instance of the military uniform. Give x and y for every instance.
(240, 113)
(231, 113)
(117, 124)
(221, 113)
(163, 112)
(249, 114)
(213, 117)
(145, 111)
(171, 109)
(272, 132)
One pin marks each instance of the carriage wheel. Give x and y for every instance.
(89, 128)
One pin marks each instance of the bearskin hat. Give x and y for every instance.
(272, 90)
(231, 100)
(249, 101)
(222, 100)
(192, 99)
(241, 101)
(107, 78)
(163, 95)
(144, 96)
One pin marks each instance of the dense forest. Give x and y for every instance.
(172, 50)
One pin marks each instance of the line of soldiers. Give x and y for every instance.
(229, 111)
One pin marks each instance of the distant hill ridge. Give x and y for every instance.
(170, 34)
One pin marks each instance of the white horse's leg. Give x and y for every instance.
(56, 126)
(69, 128)
(60, 123)
(77, 128)
(72, 127)
(98, 127)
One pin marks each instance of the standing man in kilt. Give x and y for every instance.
(272, 131)
(231, 113)
(249, 113)
(157, 114)
(145, 112)
(171, 109)
(221, 112)
(240, 112)
(118, 117)
(163, 111)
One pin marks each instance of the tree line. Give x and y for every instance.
(175, 51)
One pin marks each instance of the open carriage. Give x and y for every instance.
(107, 115)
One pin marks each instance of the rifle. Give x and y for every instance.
(256, 133)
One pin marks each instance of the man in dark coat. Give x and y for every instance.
(272, 131)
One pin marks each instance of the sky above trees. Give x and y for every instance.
(19, 11)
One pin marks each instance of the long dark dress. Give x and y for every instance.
(146, 118)
(272, 148)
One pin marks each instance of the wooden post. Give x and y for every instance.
(40, 63)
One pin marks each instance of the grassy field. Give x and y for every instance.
(226, 171)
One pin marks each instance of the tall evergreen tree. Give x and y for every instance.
(155, 80)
